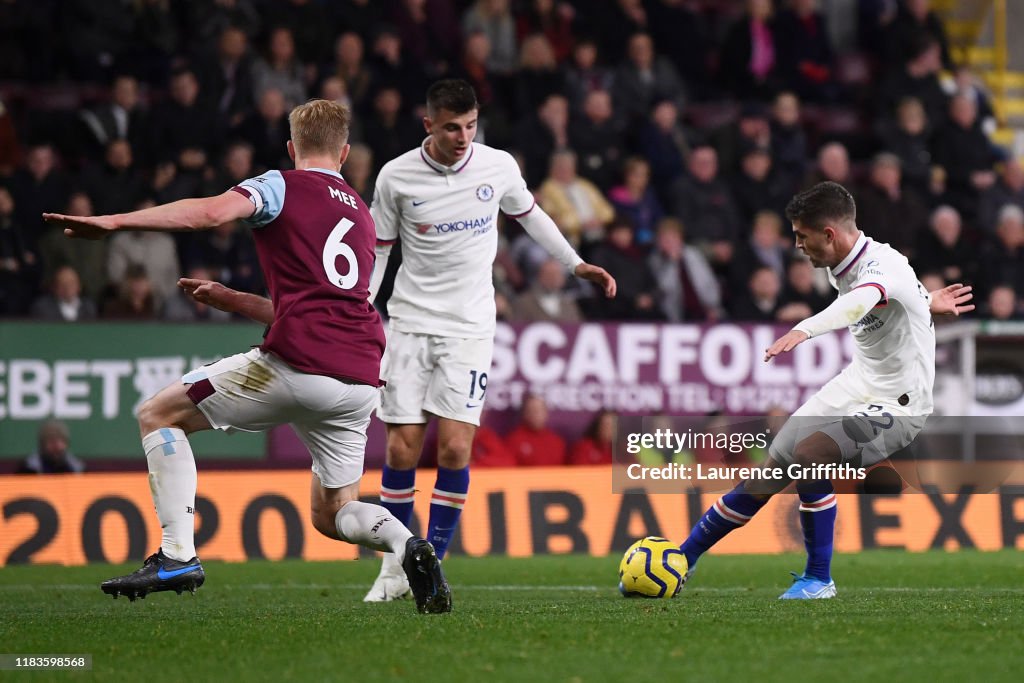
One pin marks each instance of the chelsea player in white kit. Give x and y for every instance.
(442, 200)
(873, 408)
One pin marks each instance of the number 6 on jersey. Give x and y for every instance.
(335, 247)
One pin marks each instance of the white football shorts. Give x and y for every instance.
(431, 375)
(869, 428)
(254, 391)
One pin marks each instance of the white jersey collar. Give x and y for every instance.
(859, 247)
(327, 171)
(441, 168)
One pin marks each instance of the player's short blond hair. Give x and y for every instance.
(319, 127)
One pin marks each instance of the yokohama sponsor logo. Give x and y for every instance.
(457, 226)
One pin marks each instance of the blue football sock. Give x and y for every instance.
(818, 520)
(729, 512)
(397, 492)
(446, 506)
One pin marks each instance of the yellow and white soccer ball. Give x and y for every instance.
(653, 567)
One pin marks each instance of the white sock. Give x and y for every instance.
(372, 526)
(172, 480)
(391, 565)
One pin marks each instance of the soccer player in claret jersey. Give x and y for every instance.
(317, 369)
(442, 199)
(887, 387)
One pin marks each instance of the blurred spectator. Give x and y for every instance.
(801, 289)
(889, 212)
(1003, 303)
(10, 150)
(229, 253)
(134, 299)
(391, 67)
(703, 201)
(621, 18)
(358, 170)
(663, 142)
(388, 132)
(964, 151)
(539, 76)
(310, 26)
(184, 121)
(358, 15)
(1003, 258)
(153, 252)
(804, 51)
(53, 455)
(122, 118)
(17, 263)
(636, 200)
(65, 301)
(209, 18)
(553, 20)
(637, 287)
(88, 258)
(644, 78)
(473, 69)
(757, 187)
(749, 53)
(280, 70)
(681, 33)
(687, 287)
(427, 31)
(908, 137)
(37, 188)
(334, 89)
(493, 19)
(532, 443)
(350, 66)
(913, 18)
(584, 74)
(155, 40)
(266, 129)
(226, 77)
(575, 204)
(116, 185)
(789, 141)
(595, 447)
(180, 307)
(489, 449)
(235, 166)
(945, 250)
(761, 301)
(750, 129)
(833, 164)
(546, 299)
(103, 31)
(968, 84)
(542, 133)
(765, 247)
(597, 138)
(917, 78)
(1009, 189)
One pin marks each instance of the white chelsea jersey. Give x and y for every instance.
(447, 218)
(894, 351)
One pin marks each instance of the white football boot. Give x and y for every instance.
(391, 583)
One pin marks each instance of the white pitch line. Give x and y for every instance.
(525, 588)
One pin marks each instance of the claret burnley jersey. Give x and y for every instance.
(315, 239)
(894, 351)
(447, 218)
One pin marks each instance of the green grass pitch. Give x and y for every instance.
(898, 616)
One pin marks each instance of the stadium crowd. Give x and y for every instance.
(663, 136)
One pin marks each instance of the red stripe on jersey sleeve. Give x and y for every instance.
(885, 299)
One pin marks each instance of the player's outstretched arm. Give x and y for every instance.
(599, 276)
(952, 300)
(252, 306)
(844, 311)
(185, 214)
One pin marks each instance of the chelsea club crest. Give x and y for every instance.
(485, 192)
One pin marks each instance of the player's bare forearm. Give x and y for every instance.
(182, 215)
(252, 306)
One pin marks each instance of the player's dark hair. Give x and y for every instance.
(453, 94)
(824, 204)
